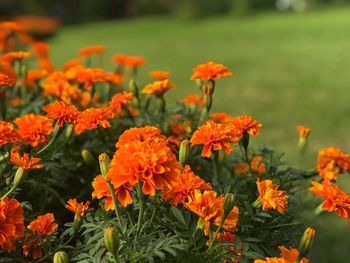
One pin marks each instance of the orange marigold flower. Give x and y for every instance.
(271, 260)
(183, 189)
(119, 100)
(210, 71)
(209, 207)
(140, 134)
(115, 78)
(119, 58)
(6, 81)
(16, 55)
(46, 64)
(61, 112)
(291, 254)
(42, 227)
(134, 62)
(258, 165)
(24, 161)
(270, 197)
(101, 190)
(247, 124)
(34, 129)
(92, 118)
(16, 102)
(8, 133)
(303, 132)
(11, 223)
(79, 209)
(88, 51)
(221, 117)
(332, 161)
(241, 169)
(71, 64)
(228, 237)
(151, 162)
(90, 76)
(41, 49)
(158, 88)
(335, 199)
(194, 99)
(36, 75)
(159, 75)
(214, 136)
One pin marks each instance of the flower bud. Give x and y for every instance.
(88, 158)
(104, 161)
(111, 240)
(244, 141)
(19, 176)
(133, 88)
(60, 257)
(229, 202)
(161, 104)
(69, 130)
(78, 221)
(306, 242)
(199, 83)
(184, 151)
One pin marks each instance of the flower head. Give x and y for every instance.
(16, 55)
(221, 117)
(11, 223)
(159, 75)
(271, 197)
(119, 100)
(24, 161)
(34, 129)
(79, 209)
(90, 76)
(8, 133)
(61, 112)
(246, 124)
(257, 165)
(303, 132)
(210, 71)
(291, 254)
(88, 51)
(335, 199)
(194, 99)
(6, 81)
(183, 189)
(158, 88)
(93, 118)
(214, 136)
(134, 62)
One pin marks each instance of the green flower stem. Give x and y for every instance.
(111, 189)
(140, 219)
(319, 210)
(213, 239)
(56, 133)
(215, 171)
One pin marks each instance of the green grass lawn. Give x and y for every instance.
(289, 69)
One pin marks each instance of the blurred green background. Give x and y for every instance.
(291, 60)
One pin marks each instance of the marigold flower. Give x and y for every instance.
(194, 99)
(8, 133)
(16, 55)
(114, 78)
(270, 197)
(134, 62)
(214, 136)
(41, 49)
(24, 161)
(335, 199)
(119, 100)
(61, 112)
(221, 117)
(303, 132)
(34, 129)
(246, 124)
(183, 189)
(6, 81)
(101, 190)
(181, 128)
(93, 118)
(151, 162)
(90, 76)
(158, 88)
(210, 71)
(71, 64)
(271, 260)
(11, 223)
(210, 209)
(88, 51)
(42, 227)
(36, 75)
(228, 237)
(291, 254)
(46, 64)
(257, 165)
(119, 58)
(79, 209)
(159, 75)
(16, 102)
(241, 169)
(332, 161)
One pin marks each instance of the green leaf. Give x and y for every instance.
(175, 212)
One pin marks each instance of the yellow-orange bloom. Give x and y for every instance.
(90, 76)
(271, 260)
(119, 100)
(291, 254)
(246, 124)
(270, 197)
(24, 161)
(332, 161)
(8, 133)
(11, 223)
(61, 112)
(41, 49)
(209, 207)
(257, 165)
(303, 132)
(194, 99)
(6, 81)
(88, 51)
(158, 88)
(119, 58)
(79, 209)
(16, 55)
(34, 129)
(159, 75)
(134, 62)
(229, 238)
(210, 71)
(214, 136)
(335, 199)
(183, 189)
(93, 118)
(221, 117)
(42, 227)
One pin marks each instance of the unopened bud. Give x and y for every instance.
(60, 257)
(229, 203)
(111, 240)
(104, 161)
(161, 104)
(244, 141)
(19, 176)
(306, 242)
(69, 130)
(184, 151)
(78, 220)
(199, 83)
(133, 88)
(88, 157)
